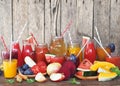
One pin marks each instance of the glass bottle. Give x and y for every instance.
(40, 51)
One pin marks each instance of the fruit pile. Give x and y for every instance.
(59, 68)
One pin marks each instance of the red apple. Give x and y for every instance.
(57, 77)
(53, 68)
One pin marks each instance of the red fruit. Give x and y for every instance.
(57, 77)
(42, 66)
(58, 59)
(35, 69)
(66, 72)
(68, 69)
(84, 65)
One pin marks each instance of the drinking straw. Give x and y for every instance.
(102, 47)
(22, 32)
(3, 42)
(10, 49)
(67, 27)
(98, 35)
(70, 38)
(82, 48)
(34, 38)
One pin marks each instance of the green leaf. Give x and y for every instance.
(73, 81)
(30, 80)
(11, 81)
(116, 70)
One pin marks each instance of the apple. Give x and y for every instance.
(57, 77)
(40, 77)
(53, 68)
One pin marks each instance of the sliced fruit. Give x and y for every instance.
(49, 56)
(106, 76)
(53, 68)
(87, 73)
(29, 61)
(57, 77)
(101, 64)
(30, 39)
(84, 65)
(40, 77)
(18, 78)
(103, 70)
(42, 66)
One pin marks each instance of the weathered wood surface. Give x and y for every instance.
(47, 18)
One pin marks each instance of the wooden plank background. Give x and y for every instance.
(47, 18)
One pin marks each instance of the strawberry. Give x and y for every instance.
(42, 66)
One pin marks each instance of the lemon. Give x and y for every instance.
(106, 76)
(102, 64)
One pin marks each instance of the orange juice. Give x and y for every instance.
(101, 55)
(74, 48)
(10, 68)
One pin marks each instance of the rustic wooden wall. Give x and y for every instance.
(50, 17)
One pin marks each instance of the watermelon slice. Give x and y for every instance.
(84, 65)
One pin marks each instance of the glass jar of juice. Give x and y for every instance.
(101, 55)
(90, 51)
(16, 46)
(10, 68)
(27, 51)
(40, 51)
(58, 46)
(74, 48)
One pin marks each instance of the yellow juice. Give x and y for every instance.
(74, 49)
(10, 68)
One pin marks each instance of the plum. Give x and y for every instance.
(28, 72)
(111, 46)
(25, 67)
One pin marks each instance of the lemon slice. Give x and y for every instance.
(106, 76)
(102, 64)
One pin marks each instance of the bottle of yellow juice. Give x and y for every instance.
(74, 48)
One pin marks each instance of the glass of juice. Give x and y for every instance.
(90, 51)
(101, 55)
(40, 51)
(27, 51)
(58, 47)
(10, 68)
(16, 46)
(74, 48)
(114, 59)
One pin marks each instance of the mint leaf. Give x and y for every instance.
(116, 70)
(74, 81)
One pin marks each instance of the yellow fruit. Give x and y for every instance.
(102, 64)
(106, 76)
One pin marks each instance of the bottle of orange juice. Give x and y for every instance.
(10, 68)
(74, 48)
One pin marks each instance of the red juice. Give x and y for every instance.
(27, 51)
(90, 51)
(40, 51)
(16, 46)
(114, 59)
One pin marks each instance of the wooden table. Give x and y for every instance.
(115, 82)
